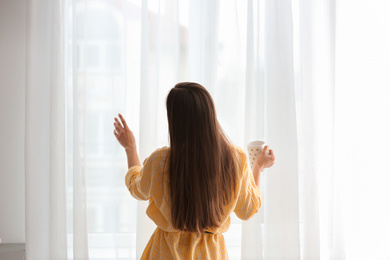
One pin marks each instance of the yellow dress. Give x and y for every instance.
(150, 183)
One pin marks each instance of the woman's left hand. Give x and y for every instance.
(123, 134)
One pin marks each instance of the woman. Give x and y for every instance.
(195, 184)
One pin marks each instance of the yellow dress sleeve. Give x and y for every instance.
(139, 180)
(249, 196)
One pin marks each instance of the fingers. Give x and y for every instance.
(116, 134)
(265, 149)
(118, 127)
(123, 121)
(271, 153)
(117, 122)
(268, 157)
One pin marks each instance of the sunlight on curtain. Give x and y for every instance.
(103, 79)
(272, 72)
(363, 126)
(125, 56)
(109, 72)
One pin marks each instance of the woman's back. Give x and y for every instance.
(194, 185)
(202, 166)
(151, 182)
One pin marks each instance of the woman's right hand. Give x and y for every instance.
(123, 134)
(266, 158)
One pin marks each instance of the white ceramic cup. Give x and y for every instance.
(254, 149)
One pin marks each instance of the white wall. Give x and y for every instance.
(12, 82)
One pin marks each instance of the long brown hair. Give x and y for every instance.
(202, 164)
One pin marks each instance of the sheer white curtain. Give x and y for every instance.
(45, 132)
(362, 126)
(276, 72)
(296, 77)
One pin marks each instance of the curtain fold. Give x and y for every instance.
(45, 132)
(307, 119)
(252, 235)
(148, 118)
(76, 151)
(281, 214)
(203, 39)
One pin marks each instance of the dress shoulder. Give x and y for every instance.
(241, 155)
(158, 154)
(239, 150)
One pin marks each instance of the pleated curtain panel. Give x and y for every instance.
(270, 66)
